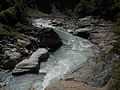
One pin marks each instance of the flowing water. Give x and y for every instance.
(74, 52)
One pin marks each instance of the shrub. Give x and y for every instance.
(104, 8)
(116, 8)
(4, 4)
(116, 76)
(116, 64)
(8, 16)
(85, 7)
(116, 30)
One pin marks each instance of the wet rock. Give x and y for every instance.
(24, 42)
(86, 29)
(4, 77)
(33, 46)
(85, 35)
(87, 21)
(56, 23)
(13, 54)
(83, 32)
(49, 39)
(32, 64)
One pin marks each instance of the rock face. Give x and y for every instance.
(32, 64)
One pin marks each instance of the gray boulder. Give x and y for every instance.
(32, 64)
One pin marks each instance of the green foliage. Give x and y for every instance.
(10, 11)
(116, 64)
(14, 14)
(9, 31)
(105, 8)
(34, 12)
(4, 4)
(85, 7)
(116, 8)
(116, 27)
(116, 4)
(116, 30)
(116, 75)
(8, 16)
(116, 70)
(20, 4)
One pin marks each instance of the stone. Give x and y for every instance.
(32, 64)
(12, 54)
(49, 39)
(85, 21)
(9, 58)
(23, 42)
(3, 76)
(56, 23)
(86, 29)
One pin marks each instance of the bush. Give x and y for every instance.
(14, 14)
(85, 7)
(116, 75)
(116, 64)
(4, 4)
(6, 30)
(116, 30)
(8, 16)
(116, 8)
(104, 8)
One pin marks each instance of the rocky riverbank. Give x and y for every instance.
(95, 72)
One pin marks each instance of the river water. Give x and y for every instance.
(74, 52)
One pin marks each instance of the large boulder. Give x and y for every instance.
(32, 64)
(12, 50)
(49, 39)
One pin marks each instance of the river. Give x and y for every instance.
(74, 52)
